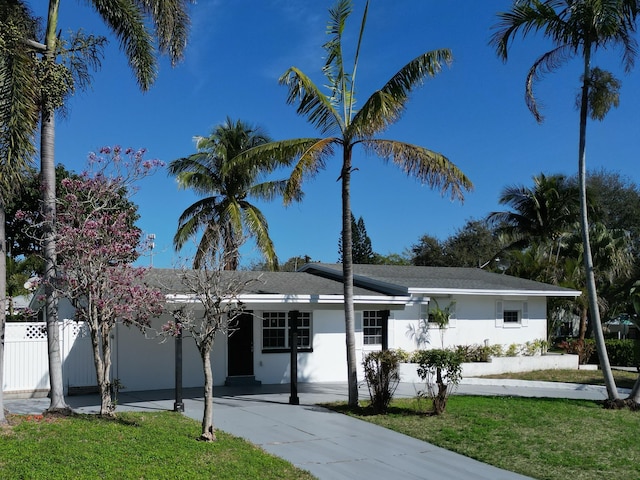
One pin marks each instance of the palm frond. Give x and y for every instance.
(546, 63)
(271, 189)
(430, 167)
(19, 95)
(386, 105)
(259, 229)
(126, 19)
(334, 71)
(310, 162)
(267, 157)
(195, 217)
(528, 17)
(171, 21)
(313, 104)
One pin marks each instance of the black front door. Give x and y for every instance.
(240, 351)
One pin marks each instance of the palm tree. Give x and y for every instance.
(225, 211)
(344, 127)
(576, 28)
(539, 214)
(136, 24)
(18, 120)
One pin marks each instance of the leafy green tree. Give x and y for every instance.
(361, 249)
(225, 210)
(345, 127)
(616, 202)
(473, 245)
(18, 119)
(577, 28)
(429, 251)
(294, 263)
(392, 259)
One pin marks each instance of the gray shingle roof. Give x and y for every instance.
(415, 278)
(372, 280)
(276, 283)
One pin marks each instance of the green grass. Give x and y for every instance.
(131, 446)
(623, 379)
(541, 438)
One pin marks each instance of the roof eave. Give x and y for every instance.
(495, 292)
(303, 299)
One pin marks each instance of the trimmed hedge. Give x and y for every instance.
(622, 353)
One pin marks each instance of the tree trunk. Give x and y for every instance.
(592, 293)
(3, 312)
(583, 323)
(107, 406)
(347, 273)
(208, 431)
(98, 345)
(48, 179)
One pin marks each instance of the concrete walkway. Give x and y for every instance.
(330, 445)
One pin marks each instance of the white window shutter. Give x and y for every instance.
(358, 321)
(499, 314)
(453, 319)
(525, 314)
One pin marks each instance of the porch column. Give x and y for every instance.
(384, 314)
(178, 406)
(293, 343)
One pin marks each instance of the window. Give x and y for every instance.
(511, 316)
(512, 313)
(276, 329)
(372, 327)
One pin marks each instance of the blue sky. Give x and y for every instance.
(473, 112)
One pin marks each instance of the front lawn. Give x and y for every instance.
(623, 379)
(132, 446)
(541, 438)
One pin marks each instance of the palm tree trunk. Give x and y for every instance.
(592, 294)
(48, 179)
(3, 313)
(347, 273)
(208, 431)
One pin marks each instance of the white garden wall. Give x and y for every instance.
(144, 362)
(499, 365)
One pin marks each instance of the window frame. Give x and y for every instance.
(307, 331)
(520, 307)
(368, 315)
(510, 313)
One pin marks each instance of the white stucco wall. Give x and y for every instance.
(327, 362)
(473, 323)
(142, 363)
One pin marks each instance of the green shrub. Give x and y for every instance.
(496, 350)
(382, 373)
(441, 370)
(583, 348)
(473, 353)
(621, 353)
(403, 355)
(529, 349)
(512, 350)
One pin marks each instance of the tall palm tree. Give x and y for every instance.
(143, 28)
(343, 126)
(577, 28)
(225, 211)
(18, 120)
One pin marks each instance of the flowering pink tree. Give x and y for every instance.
(96, 243)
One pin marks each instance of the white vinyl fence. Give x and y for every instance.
(26, 362)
